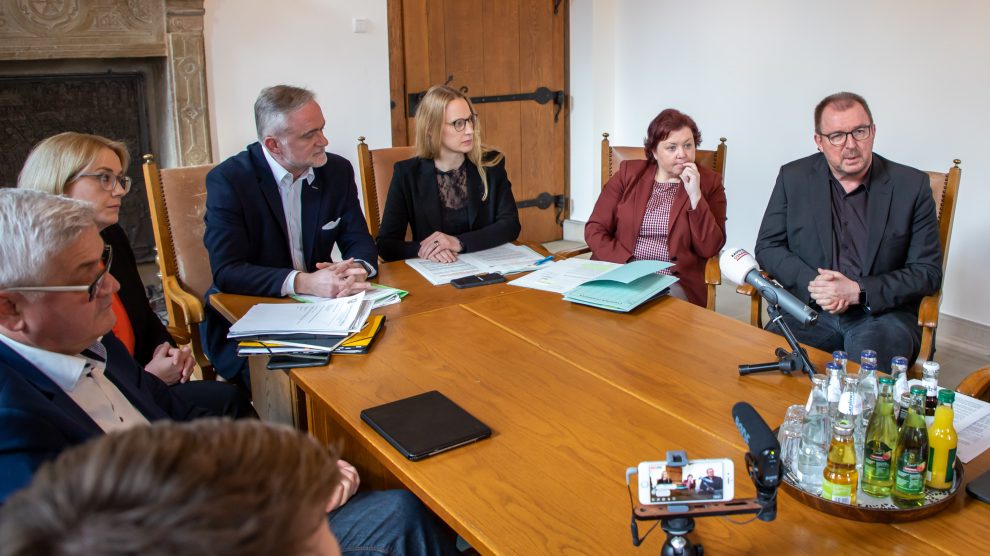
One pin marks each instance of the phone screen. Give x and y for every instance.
(698, 481)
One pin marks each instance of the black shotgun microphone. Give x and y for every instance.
(740, 267)
(763, 459)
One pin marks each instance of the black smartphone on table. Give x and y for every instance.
(477, 280)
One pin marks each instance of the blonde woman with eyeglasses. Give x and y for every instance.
(92, 168)
(454, 195)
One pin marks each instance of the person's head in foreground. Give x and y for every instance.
(207, 487)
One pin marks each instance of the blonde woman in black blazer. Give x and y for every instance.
(454, 196)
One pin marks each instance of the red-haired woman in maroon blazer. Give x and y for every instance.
(665, 208)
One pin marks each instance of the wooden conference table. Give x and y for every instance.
(575, 395)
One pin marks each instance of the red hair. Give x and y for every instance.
(667, 122)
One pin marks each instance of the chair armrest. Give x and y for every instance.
(713, 273)
(755, 304)
(192, 306)
(181, 336)
(976, 384)
(928, 311)
(572, 253)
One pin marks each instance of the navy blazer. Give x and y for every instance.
(247, 238)
(414, 202)
(246, 234)
(38, 419)
(903, 260)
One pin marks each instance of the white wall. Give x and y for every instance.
(252, 44)
(753, 71)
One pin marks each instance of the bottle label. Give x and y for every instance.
(836, 492)
(910, 475)
(834, 391)
(931, 384)
(878, 464)
(850, 403)
(950, 468)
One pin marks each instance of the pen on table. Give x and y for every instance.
(548, 258)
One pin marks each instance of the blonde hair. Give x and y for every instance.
(429, 130)
(211, 486)
(56, 161)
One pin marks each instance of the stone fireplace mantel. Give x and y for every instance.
(93, 30)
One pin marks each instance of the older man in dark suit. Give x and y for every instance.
(274, 213)
(64, 378)
(855, 235)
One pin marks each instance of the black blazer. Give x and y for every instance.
(903, 260)
(414, 202)
(149, 332)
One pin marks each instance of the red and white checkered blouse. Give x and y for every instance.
(654, 233)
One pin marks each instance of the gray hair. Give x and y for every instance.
(35, 228)
(274, 103)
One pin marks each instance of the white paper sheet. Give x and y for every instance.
(504, 259)
(563, 276)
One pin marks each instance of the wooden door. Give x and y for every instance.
(491, 48)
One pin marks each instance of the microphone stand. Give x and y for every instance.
(787, 362)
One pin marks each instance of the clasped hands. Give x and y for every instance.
(341, 279)
(833, 291)
(440, 248)
(171, 364)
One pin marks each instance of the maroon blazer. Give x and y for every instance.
(695, 235)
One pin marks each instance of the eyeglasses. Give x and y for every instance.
(460, 123)
(108, 181)
(838, 138)
(92, 289)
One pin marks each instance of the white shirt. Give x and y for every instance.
(290, 190)
(84, 382)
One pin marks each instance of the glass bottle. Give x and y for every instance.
(881, 438)
(867, 356)
(840, 479)
(905, 405)
(911, 455)
(868, 390)
(813, 450)
(929, 375)
(834, 387)
(942, 442)
(841, 359)
(851, 409)
(898, 370)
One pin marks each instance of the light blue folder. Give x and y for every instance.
(624, 288)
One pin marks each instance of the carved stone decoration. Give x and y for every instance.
(49, 13)
(188, 83)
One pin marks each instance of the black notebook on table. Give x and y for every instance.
(426, 424)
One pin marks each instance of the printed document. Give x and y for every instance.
(504, 259)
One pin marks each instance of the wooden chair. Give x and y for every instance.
(945, 187)
(376, 176)
(613, 156)
(177, 198)
(977, 384)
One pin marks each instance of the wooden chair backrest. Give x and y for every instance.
(376, 167)
(945, 187)
(613, 156)
(178, 199)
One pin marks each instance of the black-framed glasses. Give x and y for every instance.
(838, 138)
(108, 181)
(461, 123)
(91, 289)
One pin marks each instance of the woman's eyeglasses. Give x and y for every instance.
(108, 181)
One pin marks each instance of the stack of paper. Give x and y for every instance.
(563, 276)
(300, 327)
(504, 259)
(972, 422)
(379, 295)
(623, 288)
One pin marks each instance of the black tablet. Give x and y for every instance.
(425, 424)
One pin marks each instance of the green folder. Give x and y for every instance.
(624, 288)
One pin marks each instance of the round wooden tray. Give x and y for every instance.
(877, 510)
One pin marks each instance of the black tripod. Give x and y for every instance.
(795, 360)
